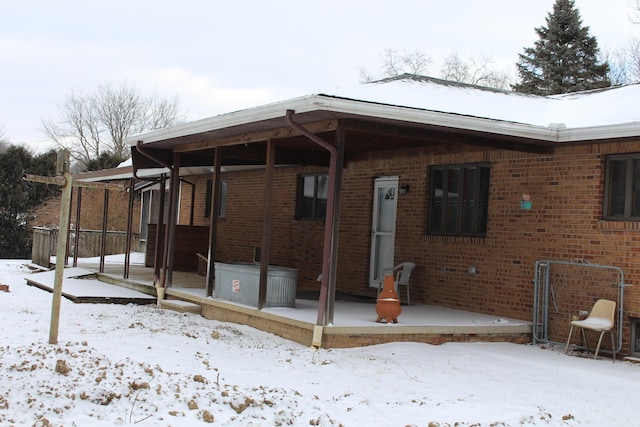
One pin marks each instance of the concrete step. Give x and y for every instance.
(180, 306)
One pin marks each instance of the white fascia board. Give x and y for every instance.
(118, 176)
(115, 175)
(415, 115)
(316, 102)
(623, 130)
(348, 106)
(236, 118)
(551, 133)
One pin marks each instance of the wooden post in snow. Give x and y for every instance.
(66, 182)
(65, 208)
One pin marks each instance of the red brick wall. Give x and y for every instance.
(564, 223)
(296, 244)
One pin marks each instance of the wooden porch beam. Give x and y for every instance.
(258, 155)
(257, 136)
(60, 181)
(443, 135)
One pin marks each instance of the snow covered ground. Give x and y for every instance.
(119, 365)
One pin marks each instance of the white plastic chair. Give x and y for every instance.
(402, 274)
(601, 319)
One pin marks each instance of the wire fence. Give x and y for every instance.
(566, 290)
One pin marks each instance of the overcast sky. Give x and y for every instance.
(220, 56)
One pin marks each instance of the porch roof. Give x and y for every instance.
(424, 106)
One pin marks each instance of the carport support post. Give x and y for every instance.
(213, 220)
(266, 224)
(174, 193)
(103, 240)
(158, 250)
(333, 263)
(127, 251)
(65, 208)
(76, 237)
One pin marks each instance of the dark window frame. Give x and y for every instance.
(317, 210)
(634, 341)
(625, 197)
(222, 207)
(458, 202)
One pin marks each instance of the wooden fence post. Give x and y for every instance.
(65, 208)
(66, 182)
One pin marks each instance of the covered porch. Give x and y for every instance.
(354, 317)
(285, 165)
(266, 155)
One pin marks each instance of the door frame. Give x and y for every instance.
(378, 262)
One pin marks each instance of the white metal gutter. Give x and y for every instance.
(319, 102)
(236, 118)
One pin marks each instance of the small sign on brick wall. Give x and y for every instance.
(525, 202)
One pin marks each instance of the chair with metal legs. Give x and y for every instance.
(601, 319)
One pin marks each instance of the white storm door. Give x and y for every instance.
(383, 232)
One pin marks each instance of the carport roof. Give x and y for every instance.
(426, 103)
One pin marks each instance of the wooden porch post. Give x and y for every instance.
(333, 264)
(158, 254)
(173, 219)
(213, 220)
(266, 224)
(103, 243)
(68, 231)
(327, 258)
(76, 238)
(127, 250)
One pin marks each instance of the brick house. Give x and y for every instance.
(474, 185)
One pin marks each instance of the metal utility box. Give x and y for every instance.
(240, 282)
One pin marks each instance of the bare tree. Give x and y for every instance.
(483, 73)
(90, 125)
(624, 63)
(636, 14)
(632, 50)
(475, 71)
(455, 68)
(618, 67)
(395, 64)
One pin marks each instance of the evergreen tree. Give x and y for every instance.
(19, 197)
(564, 59)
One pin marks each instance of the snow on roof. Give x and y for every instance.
(596, 114)
(603, 107)
(126, 163)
